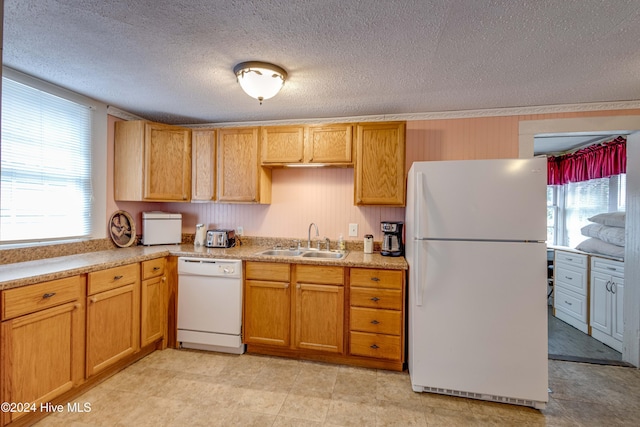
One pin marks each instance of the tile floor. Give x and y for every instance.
(192, 388)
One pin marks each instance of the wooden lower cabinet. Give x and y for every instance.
(42, 342)
(267, 304)
(319, 308)
(153, 306)
(113, 316)
(377, 316)
(335, 314)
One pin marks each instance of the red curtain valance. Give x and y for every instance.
(596, 161)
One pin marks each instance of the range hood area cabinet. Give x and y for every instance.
(241, 179)
(328, 145)
(380, 164)
(152, 162)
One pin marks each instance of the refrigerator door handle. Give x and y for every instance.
(418, 202)
(418, 286)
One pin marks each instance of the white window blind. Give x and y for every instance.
(45, 166)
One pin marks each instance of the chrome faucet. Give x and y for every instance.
(328, 242)
(309, 234)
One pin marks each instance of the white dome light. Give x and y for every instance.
(260, 80)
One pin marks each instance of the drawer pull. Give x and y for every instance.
(156, 268)
(567, 302)
(568, 278)
(117, 277)
(611, 268)
(373, 346)
(569, 259)
(375, 279)
(374, 322)
(375, 299)
(48, 295)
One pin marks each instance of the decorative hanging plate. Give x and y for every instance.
(122, 229)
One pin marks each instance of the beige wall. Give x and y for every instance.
(325, 196)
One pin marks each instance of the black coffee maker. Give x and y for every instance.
(392, 239)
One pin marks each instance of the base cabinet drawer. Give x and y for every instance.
(376, 345)
(376, 321)
(572, 304)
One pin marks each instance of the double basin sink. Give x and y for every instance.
(304, 253)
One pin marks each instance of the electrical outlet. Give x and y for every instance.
(239, 230)
(353, 230)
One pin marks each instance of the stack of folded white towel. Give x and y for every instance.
(606, 235)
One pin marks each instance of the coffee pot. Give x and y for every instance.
(392, 238)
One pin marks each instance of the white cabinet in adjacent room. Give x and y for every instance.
(570, 289)
(606, 307)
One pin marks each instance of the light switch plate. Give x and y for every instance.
(353, 230)
(239, 230)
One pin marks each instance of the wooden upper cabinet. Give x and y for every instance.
(327, 144)
(152, 162)
(380, 164)
(282, 144)
(203, 165)
(240, 176)
(330, 144)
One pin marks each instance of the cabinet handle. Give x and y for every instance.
(117, 277)
(568, 278)
(569, 259)
(48, 295)
(375, 279)
(611, 268)
(298, 286)
(607, 286)
(93, 300)
(374, 322)
(613, 291)
(375, 347)
(375, 299)
(567, 302)
(77, 305)
(156, 268)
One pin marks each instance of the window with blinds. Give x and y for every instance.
(45, 186)
(585, 199)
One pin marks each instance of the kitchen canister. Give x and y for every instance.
(368, 244)
(201, 235)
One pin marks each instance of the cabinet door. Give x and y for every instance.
(380, 164)
(113, 326)
(167, 163)
(617, 301)
(319, 315)
(282, 144)
(330, 144)
(267, 313)
(42, 355)
(600, 302)
(203, 165)
(153, 323)
(240, 177)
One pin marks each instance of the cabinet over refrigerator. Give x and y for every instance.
(475, 233)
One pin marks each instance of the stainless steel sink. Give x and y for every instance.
(324, 254)
(281, 252)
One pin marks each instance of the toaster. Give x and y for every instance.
(220, 238)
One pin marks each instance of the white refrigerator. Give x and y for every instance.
(474, 241)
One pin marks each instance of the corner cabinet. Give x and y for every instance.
(42, 343)
(607, 296)
(380, 164)
(152, 162)
(241, 179)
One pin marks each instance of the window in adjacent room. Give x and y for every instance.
(46, 182)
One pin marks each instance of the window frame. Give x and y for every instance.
(98, 157)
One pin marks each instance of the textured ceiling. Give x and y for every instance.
(172, 61)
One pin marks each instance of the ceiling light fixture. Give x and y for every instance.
(260, 80)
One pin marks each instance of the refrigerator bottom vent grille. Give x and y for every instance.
(470, 395)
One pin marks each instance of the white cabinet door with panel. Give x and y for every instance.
(607, 294)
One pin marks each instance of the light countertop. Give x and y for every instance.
(30, 272)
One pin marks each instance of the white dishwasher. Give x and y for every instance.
(210, 304)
